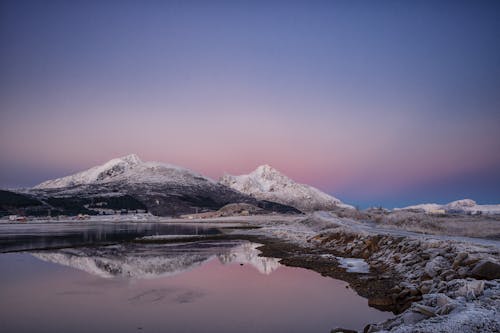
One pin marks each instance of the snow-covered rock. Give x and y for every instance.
(267, 183)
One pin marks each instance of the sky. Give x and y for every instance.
(377, 102)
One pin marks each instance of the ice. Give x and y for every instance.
(354, 265)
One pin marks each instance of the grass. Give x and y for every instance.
(453, 225)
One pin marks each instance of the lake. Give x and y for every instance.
(201, 286)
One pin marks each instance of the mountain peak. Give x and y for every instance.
(110, 169)
(266, 169)
(267, 183)
(132, 159)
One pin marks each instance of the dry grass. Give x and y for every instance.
(453, 225)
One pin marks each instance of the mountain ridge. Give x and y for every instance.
(165, 189)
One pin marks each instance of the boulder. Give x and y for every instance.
(426, 287)
(486, 269)
(459, 259)
(470, 289)
(435, 266)
(442, 299)
(428, 311)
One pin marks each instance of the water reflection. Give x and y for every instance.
(150, 261)
(190, 287)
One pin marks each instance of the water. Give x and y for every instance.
(32, 236)
(203, 286)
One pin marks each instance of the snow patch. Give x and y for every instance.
(354, 265)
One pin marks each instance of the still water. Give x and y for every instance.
(203, 286)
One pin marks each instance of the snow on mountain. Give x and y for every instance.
(164, 189)
(144, 262)
(128, 168)
(267, 183)
(466, 206)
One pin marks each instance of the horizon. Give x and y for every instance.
(382, 104)
(358, 205)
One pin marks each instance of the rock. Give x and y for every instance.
(370, 328)
(469, 261)
(405, 292)
(486, 269)
(396, 289)
(410, 318)
(342, 330)
(446, 309)
(433, 267)
(414, 291)
(435, 252)
(429, 311)
(463, 272)
(470, 289)
(442, 300)
(448, 275)
(459, 259)
(425, 287)
(380, 301)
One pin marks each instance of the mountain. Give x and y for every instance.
(162, 189)
(267, 183)
(463, 206)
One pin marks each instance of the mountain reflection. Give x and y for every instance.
(140, 261)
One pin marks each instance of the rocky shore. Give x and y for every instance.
(431, 283)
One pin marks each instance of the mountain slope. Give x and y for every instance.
(267, 183)
(164, 189)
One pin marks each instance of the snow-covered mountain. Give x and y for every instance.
(466, 206)
(129, 169)
(140, 262)
(164, 189)
(267, 183)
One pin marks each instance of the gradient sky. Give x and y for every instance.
(376, 102)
